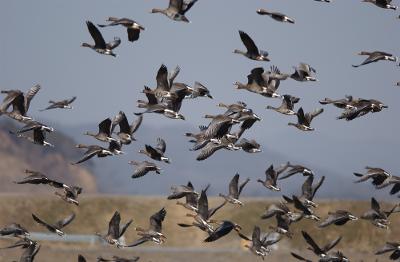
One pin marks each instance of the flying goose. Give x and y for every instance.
(191, 199)
(261, 246)
(126, 131)
(275, 209)
(339, 218)
(30, 252)
(260, 83)
(104, 133)
(219, 126)
(344, 103)
(118, 259)
(153, 233)
(70, 194)
(235, 190)
(19, 101)
(307, 211)
(375, 56)
(222, 230)
(386, 4)
(252, 51)
(308, 191)
(319, 251)
(182, 191)
(377, 174)
(249, 146)
(199, 90)
(36, 178)
(304, 120)
(176, 9)
(142, 168)
(32, 125)
(214, 145)
(390, 247)
(234, 108)
(303, 73)
(297, 169)
(100, 46)
(156, 153)
(63, 104)
(93, 150)
(271, 177)
(202, 219)
(115, 230)
(361, 108)
(376, 216)
(15, 230)
(393, 180)
(276, 16)
(132, 27)
(38, 137)
(55, 228)
(287, 105)
(247, 118)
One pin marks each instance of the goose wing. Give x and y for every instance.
(162, 78)
(249, 43)
(64, 222)
(161, 145)
(135, 125)
(233, 187)
(315, 248)
(157, 219)
(30, 95)
(113, 44)
(41, 222)
(186, 5)
(105, 127)
(96, 35)
(113, 225)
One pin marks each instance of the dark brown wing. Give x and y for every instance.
(64, 222)
(113, 225)
(157, 219)
(96, 35)
(249, 43)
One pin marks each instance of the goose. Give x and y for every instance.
(199, 90)
(361, 108)
(393, 180)
(126, 131)
(118, 259)
(375, 56)
(142, 168)
(252, 51)
(377, 174)
(115, 230)
(259, 83)
(176, 9)
(214, 145)
(191, 199)
(24, 242)
(304, 120)
(390, 247)
(287, 105)
(308, 191)
(271, 177)
(15, 230)
(202, 219)
(283, 223)
(70, 194)
(234, 108)
(63, 104)
(182, 191)
(222, 230)
(283, 210)
(303, 73)
(386, 4)
(344, 103)
(199, 138)
(38, 137)
(297, 169)
(81, 258)
(156, 153)
(20, 102)
(248, 119)
(36, 178)
(30, 252)
(339, 218)
(100, 46)
(261, 246)
(104, 133)
(219, 126)
(235, 190)
(153, 233)
(55, 228)
(376, 216)
(163, 85)
(133, 28)
(276, 16)
(32, 125)
(93, 150)
(307, 211)
(249, 146)
(319, 251)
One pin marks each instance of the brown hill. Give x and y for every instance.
(17, 154)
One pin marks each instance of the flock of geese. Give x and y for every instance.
(224, 131)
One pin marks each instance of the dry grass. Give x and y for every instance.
(359, 237)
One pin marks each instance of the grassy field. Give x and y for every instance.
(360, 239)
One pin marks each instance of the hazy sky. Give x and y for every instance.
(40, 43)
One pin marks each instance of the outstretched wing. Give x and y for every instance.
(248, 42)
(157, 219)
(96, 35)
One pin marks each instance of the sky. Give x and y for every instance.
(40, 43)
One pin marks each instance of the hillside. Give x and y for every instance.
(17, 154)
(360, 239)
